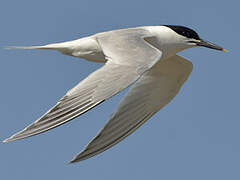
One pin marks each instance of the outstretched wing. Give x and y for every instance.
(113, 77)
(152, 91)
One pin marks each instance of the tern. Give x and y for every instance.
(144, 56)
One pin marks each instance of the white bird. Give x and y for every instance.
(145, 55)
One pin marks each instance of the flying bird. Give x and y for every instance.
(146, 56)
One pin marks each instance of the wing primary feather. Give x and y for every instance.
(82, 156)
(153, 90)
(19, 135)
(129, 57)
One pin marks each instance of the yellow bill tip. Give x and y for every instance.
(224, 50)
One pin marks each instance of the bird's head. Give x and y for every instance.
(191, 38)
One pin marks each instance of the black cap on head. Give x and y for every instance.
(184, 31)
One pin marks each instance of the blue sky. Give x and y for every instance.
(196, 136)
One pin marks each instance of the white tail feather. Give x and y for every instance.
(56, 46)
(25, 47)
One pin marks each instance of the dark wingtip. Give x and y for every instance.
(8, 140)
(73, 161)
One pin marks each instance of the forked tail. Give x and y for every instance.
(55, 46)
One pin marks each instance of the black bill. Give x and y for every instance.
(210, 45)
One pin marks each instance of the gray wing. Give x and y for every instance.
(105, 82)
(128, 47)
(152, 91)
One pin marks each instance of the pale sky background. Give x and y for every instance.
(195, 137)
